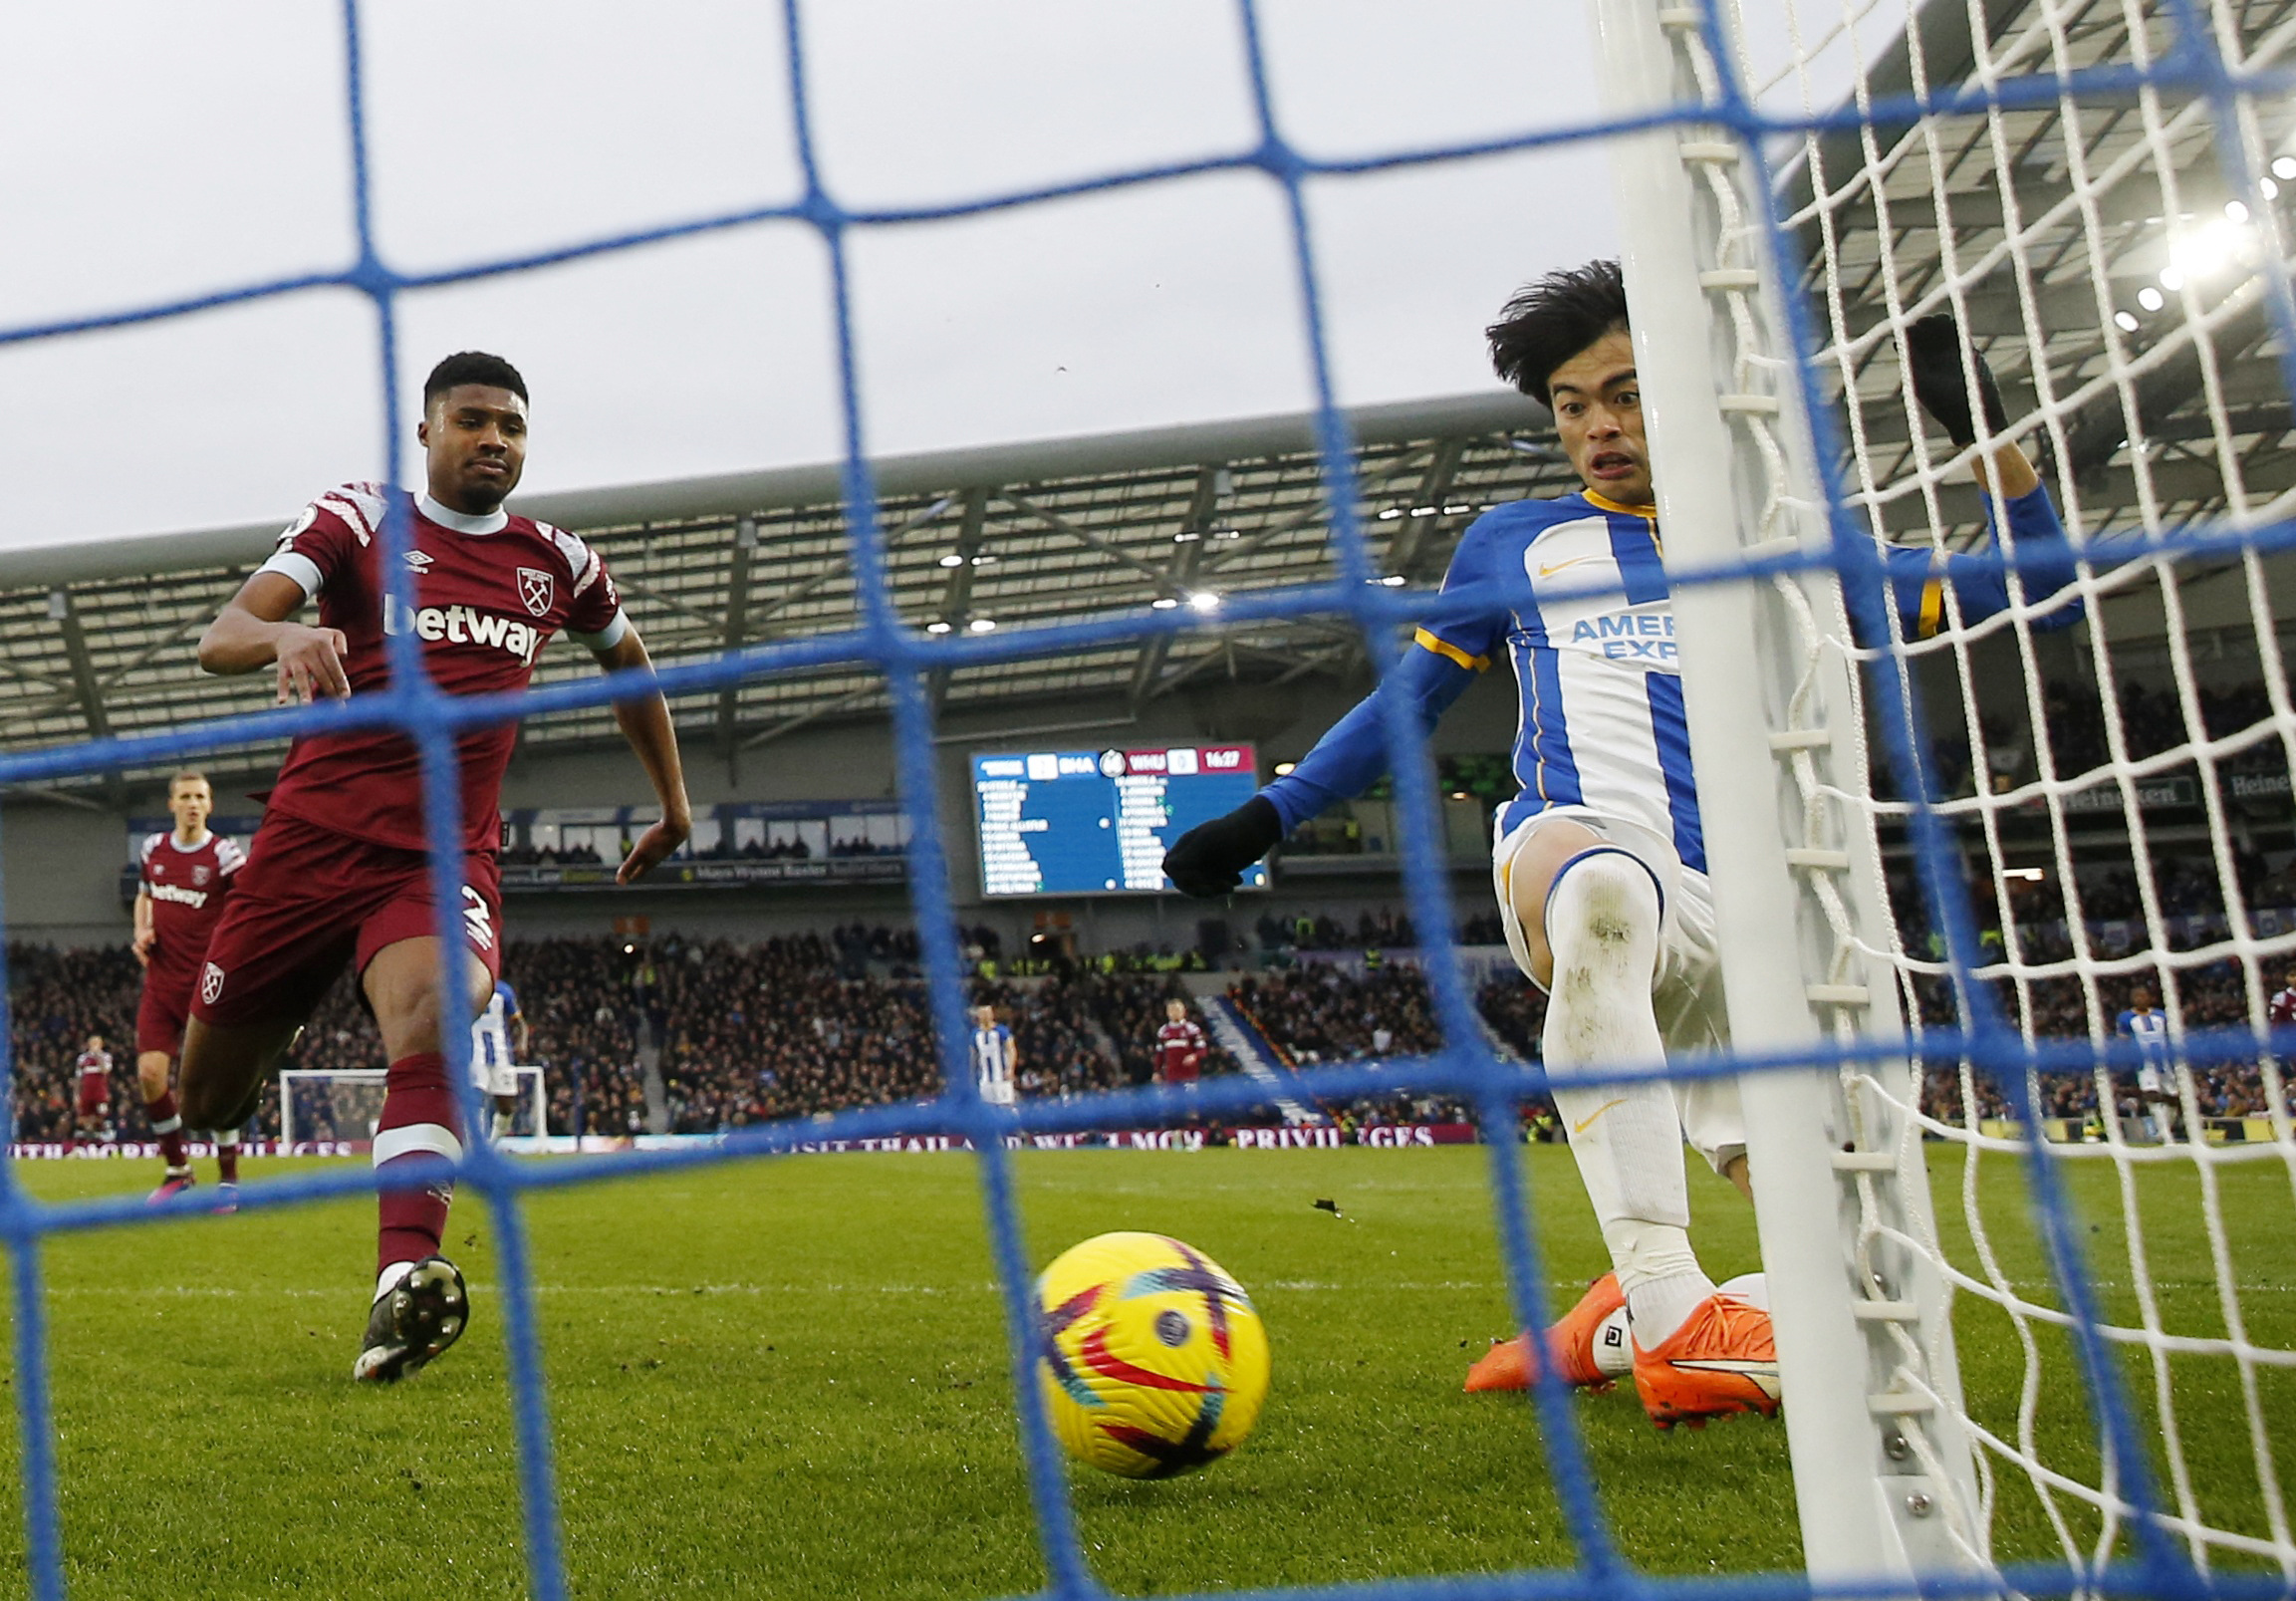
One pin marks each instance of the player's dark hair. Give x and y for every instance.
(471, 366)
(1548, 322)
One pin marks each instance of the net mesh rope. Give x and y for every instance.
(2070, 242)
(2211, 66)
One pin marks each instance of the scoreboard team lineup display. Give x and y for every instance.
(1098, 822)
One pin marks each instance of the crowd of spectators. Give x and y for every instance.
(57, 998)
(1320, 1014)
(789, 1027)
(1325, 1014)
(1385, 929)
(2152, 720)
(2218, 1092)
(791, 849)
(805, 1023)
(551, 855)
(2189, 892)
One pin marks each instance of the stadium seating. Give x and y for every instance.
(794, 1025)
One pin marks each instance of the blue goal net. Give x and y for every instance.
(2026, 148)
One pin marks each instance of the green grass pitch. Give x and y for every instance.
(789, 1378)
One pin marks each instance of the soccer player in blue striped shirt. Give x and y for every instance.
(1599, 862)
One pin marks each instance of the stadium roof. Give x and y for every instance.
(101, 641)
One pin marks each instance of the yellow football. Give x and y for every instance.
(1151, 1359)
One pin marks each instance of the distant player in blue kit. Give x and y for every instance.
(2148, 1025)
(1599, 863)
(498, 1040)
(995, 1059)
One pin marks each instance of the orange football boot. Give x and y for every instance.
(1508, 1364)
(1724, 1359)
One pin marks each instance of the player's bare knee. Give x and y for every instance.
(1531, 876)
(151, 1074)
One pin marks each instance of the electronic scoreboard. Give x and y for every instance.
(1098, 822)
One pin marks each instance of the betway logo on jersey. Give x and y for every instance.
(177, 894)
(1640, 637)
(466, 624)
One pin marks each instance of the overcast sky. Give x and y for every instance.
(152, 149)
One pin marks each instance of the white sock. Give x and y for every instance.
(389, 1277)
(1659, 1307)
(502, 1124)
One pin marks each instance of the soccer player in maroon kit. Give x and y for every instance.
(1180, 1045)
(340, 874)
(94, 1066)
(186, 874)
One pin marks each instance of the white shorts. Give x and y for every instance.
(996, 1091)
(500, 1079)
(1687, 996)
(2153, 1081)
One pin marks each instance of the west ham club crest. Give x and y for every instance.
(199, 873)
(534, 588)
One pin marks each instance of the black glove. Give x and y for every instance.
(1933, 362)
(1211, 858)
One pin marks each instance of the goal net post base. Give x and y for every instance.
(1884, 1477)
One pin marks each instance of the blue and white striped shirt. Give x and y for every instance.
(1575, 590)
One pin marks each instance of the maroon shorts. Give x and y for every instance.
(160, 1017)
(311, 902)
(95, 1093)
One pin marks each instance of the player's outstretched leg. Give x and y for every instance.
(420, 1306)
(167, 1122)
(1696, 1354)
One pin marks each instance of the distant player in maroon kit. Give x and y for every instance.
(1180, 1045)
(93, 1067)
(2281, 1011)
(2283, 1007)
(338, 875)
(186, 874)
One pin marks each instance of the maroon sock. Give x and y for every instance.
(421, 1124)
(168, 1123)
(227, 1157)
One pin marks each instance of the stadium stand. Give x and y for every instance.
(794, 1025)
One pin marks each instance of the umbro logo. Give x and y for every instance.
(420, 559)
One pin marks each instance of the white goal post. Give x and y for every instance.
(344, 1104)
(1879, 1473)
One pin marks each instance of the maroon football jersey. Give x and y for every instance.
(95, 1067)
(1179, 1051)
(188, 885)
(489, 594)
